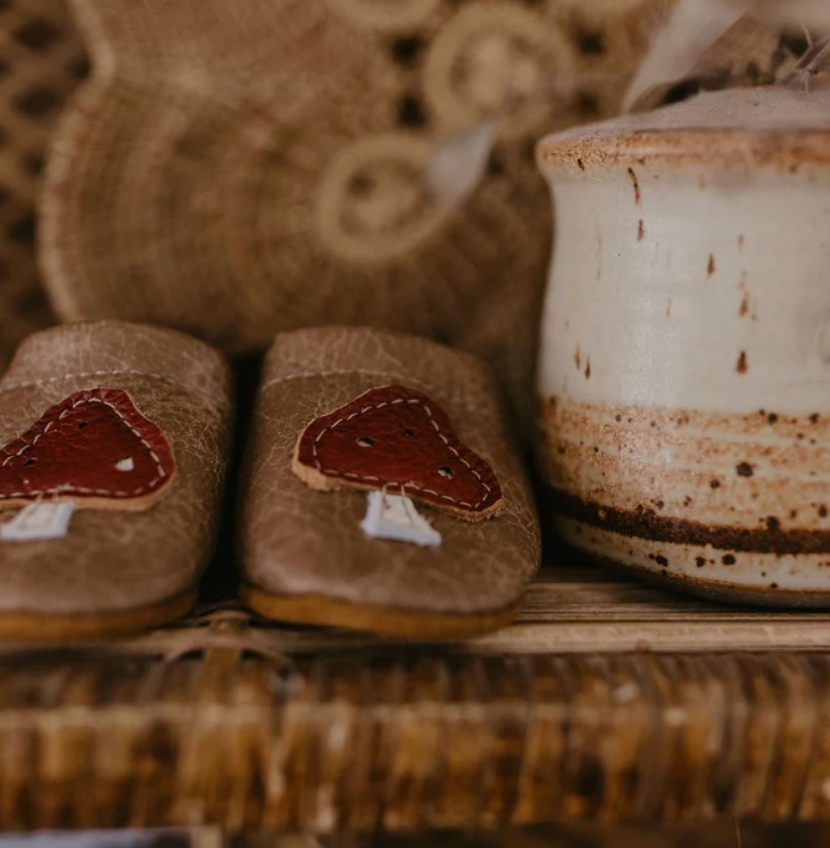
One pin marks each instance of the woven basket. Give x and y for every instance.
(41, 62)
(606, 701)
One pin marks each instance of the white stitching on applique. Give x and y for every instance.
(353, 475)
(83, 490)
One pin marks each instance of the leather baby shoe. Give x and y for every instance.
(259, 166)
(383, 491)
(114, 441)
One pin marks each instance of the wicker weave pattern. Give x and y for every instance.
(424, 740)
(239, 169)
(223, 720)
(41, 62)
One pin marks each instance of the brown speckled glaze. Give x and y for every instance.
(699, 509)
(692, 271)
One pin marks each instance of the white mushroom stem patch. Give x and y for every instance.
(39, 521)
(395, 517)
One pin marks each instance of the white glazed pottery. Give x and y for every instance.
(685, 365)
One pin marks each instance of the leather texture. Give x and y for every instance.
(94, 447)
(300, 541)
(111, 561)
(395, 438)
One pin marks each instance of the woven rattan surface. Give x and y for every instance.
(41, 62)
(726, 833)
(607, 700)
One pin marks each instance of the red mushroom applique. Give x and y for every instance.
(96, 448)
(395, 439)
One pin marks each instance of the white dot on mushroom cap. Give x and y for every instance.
(125, 464)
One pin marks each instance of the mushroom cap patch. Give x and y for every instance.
(94, 447)
(396, 438)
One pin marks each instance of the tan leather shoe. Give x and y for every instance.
(113, 444)
(383, 492)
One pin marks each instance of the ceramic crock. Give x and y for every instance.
(685, 364)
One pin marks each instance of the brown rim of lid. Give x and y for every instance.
(772, 126)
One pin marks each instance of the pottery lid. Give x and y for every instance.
(772, 125)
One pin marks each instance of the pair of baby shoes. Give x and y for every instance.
(381, 489)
